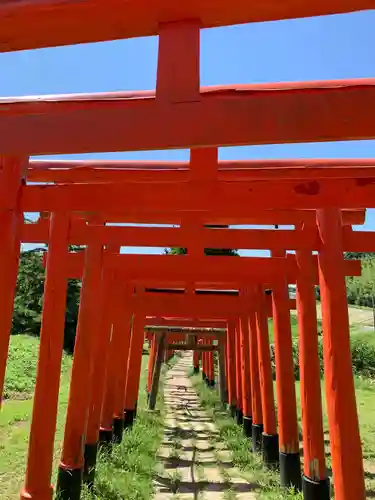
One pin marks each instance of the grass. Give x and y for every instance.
(251, 465)
(248, 463)
(15, 415)
(128, 473)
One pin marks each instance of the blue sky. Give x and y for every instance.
(331, 47)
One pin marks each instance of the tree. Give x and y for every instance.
(28, 301)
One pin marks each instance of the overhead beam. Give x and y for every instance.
(161, 172)
(176, 322)
(237, 198)
(223, 271)
(221, 217)
(253, 239)
(224, 116)
(35, 24)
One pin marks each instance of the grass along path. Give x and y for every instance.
(128, 473)
(251, 465)
(15, 415)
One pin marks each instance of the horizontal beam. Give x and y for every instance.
(177, 322)
(220, 217)
(260, 217)
(238, 198)
(35, 24)
(184, 330)
(197, 347)
(159, 172)
(224, 116)
(220, 270)
(254, 239)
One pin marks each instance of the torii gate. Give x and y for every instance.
(181, 114)
(169, 260)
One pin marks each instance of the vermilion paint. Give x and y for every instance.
(347, 464)
(43, 424)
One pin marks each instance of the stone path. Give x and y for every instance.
(192, 464)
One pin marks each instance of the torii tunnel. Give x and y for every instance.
(204, 303)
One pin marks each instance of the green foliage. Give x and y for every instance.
(363, 358)
(361, 289)
(21, 367)
(28, 301)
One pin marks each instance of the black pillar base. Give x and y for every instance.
(247, 426)
(91, 452)
(69, 483)
(204, 376)
(270, 445)
(105, 440)
(210, 383)
(315, 490)
(256, 432)
(232, 410)
(118, 429)
(196, 369)
(129, 416)
(290, 470)
(148, 397)
(239, 416)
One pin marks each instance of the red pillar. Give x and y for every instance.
(204, 362)
(290, 468)
(114, 352)
(12, 170)
(151, 362)
(43, 424)
(72, 457)
(314, 482)
(210, 364)
(104, 324)
(265, 436)
(196, 362)
(239, 410)
(347, 464)
(125, 321)
(134, 370)
(245, 376)
(231, 362)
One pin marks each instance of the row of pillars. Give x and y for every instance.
(108, 353)
(249, 377)
(105, 374)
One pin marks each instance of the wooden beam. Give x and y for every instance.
(156, 172)
(224, 116)
(47, 23)
(224, 271)
(254, 239)
(176, 322)
(198, 347)
(245, 197)
(38, 232)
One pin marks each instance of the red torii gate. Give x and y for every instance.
(47, 24)
(174, 269)
(180, 114)
(146, 271)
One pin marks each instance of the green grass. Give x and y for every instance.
(15, 415)
(251, 465)
(248, 463)
(127, 473)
